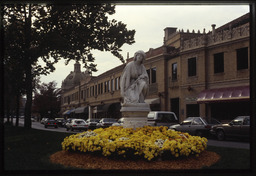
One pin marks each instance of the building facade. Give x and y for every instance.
(192, 74)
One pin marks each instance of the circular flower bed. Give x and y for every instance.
(148, 142)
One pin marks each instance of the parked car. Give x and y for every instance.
(105, 122)
(50, 123)
(120, 122)
(43, 120)
(239, 127)
(195, 126)
(60, 121)
(67, 121)
(91, 123)
(76, 124)
(162, 118)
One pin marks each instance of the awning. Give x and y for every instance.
(224, 94)
(152, 101)
(67, 112)
(83, 109)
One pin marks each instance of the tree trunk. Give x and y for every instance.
(17, 109)
(29, 97)
(28, 68)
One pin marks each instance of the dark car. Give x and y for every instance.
(60, 122)
(105, 122)
(195, 126)
(239, 127)
(50, 123)
(91, 123)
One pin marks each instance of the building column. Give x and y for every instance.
(203, 109)
(89, 112)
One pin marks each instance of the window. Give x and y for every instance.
(99, 89)
(117, 84)
(92, 91)
(82, 94)
(153, 74)
(218, 63)
(192, 66)
(148, 72)
(197, 122)
(242, 58)
(87, 92)
(174, 71)
(95, 93)
(109, 86)
(112, 85)
(68, 99)
(106, 86)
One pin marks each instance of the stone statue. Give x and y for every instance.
(134, 88)
(134, 80)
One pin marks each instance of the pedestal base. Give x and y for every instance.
(135, 115)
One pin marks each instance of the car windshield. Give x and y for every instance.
(109, 120)
(198, 121)
(246, 121)
(50, 120)
(166, 117)
(79, 121)
(238, 121)
(187, 121)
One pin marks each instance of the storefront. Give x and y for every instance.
(110, 110)
(225, 104)
(81, 112)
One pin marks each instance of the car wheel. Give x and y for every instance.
(67, 129)
(220, 135)
(45, 126)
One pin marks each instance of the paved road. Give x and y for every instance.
(211, 142)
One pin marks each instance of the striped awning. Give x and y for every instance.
(224, 94)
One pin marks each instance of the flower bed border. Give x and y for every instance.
(99, 162)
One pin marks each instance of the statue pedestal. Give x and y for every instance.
(135, 115)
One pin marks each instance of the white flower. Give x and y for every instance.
(123, 139)
(88, 134)
(159, 143)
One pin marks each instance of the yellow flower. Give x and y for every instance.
(148, 141)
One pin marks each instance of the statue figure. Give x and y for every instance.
(134, 80)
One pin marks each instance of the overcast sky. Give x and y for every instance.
(149, 22)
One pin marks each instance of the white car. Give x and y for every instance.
(120, 122)
(105, 122)
(76, 124)
(162, 118)
(91, 123)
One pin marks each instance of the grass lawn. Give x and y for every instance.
(30, 150)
